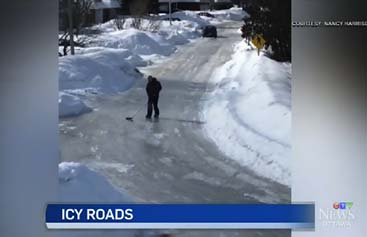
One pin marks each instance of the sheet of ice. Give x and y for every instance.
(249, 112)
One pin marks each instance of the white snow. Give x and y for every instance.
(79, 184)
(159, 39)
(104, 71)
(225, 15)
(190, 16)
(232, 14)
(71, 105)
(249, 112)
(138, 42)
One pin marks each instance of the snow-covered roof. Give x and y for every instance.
(103, 4)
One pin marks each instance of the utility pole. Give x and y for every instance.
(170, 12)
(71, 30)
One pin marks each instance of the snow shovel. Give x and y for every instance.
(131, 119)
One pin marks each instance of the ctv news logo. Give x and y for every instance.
(340, 214)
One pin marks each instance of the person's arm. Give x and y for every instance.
(159, 86)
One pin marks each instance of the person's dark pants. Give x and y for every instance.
(153, 103)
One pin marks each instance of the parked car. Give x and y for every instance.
(207, 14)
(210, 31)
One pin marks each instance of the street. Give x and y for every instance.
(170, 160)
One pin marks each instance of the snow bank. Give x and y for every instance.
(249, 113)
(104, 71)
(79, 184)
(138, 42)
(180, 32)
(190, 16)
(70, 105)
(162, 40)
(94, 70)
(232, 14)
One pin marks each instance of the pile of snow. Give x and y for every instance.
(191, 17)
(104, 71)
(181, 32)
(95, 70)
(156, 36)
(136, 41)
(232, 14)
(79, 184)
(249, 113)
(71, 105)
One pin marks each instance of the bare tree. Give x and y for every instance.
(272, 20)
(71, 26)
(72, 18)
(153, 25)
(119, 22)
(137, 22)
(82, 9)
(149, 23)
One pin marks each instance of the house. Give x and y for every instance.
(103, 10)
(139, 7)
(93, 12)
(222, 4)
(178, 5)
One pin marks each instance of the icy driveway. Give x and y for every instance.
(170, 161)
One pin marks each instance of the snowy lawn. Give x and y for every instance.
(249, 112)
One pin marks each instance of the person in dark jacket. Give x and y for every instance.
(153, 88)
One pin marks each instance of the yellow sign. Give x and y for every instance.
(258, 41)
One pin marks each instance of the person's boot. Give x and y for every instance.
(148, 117)
(156, 116)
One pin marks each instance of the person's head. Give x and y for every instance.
(150, 78)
